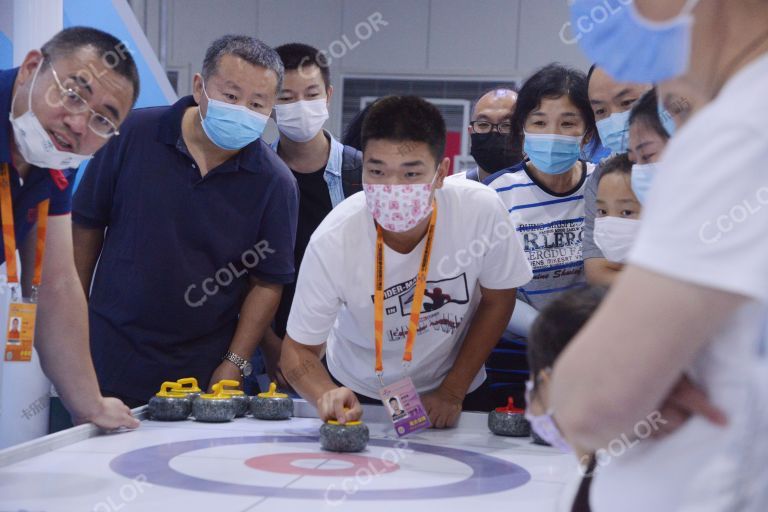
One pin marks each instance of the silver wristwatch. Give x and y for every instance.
(246, 368)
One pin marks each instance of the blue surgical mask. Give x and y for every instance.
(231, 126)
(667, 121)
(552, 154)
(642, 178)
(614, 132)
(544, 425)
(629, 47)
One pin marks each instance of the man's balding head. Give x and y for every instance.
(495, 104)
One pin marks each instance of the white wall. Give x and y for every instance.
(473, 39)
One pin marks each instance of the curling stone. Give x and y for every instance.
(239, 397)
(190, 387)
(169, 404)
(213, 408)
(272, 405)
(351, 436)
(509, 421)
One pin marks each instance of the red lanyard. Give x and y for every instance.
(9, 235)
(418, 296)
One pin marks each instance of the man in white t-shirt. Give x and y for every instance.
(474, 265)
(694, 297)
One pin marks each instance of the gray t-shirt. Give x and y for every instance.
(588, 246)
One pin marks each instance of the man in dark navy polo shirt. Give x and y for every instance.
(61, 105)
(192, 219)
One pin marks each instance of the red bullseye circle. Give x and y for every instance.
(284, 463)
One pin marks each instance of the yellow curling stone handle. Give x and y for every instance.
(221, 387)
(170, 390)
(189, 385)
(349, 423)
(272, 393)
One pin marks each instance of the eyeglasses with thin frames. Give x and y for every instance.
(74, 103)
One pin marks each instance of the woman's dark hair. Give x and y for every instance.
(558, 323)
(617, 164)
(551, 82)
(646, 110)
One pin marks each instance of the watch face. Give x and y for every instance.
(247, 369)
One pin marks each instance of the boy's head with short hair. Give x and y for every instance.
(403, 142)
(558, 323)
(299, 56)
(407, 120)
(554, 328)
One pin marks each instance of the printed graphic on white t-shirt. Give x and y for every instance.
(434, 315)
(551, 230)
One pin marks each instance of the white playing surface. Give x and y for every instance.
(79, 477)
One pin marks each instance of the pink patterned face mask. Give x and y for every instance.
(398, 207)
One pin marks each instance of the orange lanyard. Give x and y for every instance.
(418, 296)
(9, 235)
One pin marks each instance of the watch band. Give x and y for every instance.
(237, 360)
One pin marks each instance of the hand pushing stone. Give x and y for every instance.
(272, 405)
(509, 421)
(169, 404)
(214, 408)
(239, 397)
(351, 436)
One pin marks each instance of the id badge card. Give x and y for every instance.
(402, 402)
(20, 331)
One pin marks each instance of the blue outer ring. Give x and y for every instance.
(489, 474)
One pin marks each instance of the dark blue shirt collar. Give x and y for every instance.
(7, 79)
(169, 132)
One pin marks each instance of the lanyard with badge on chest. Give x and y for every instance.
(401, 398)
(21, 313)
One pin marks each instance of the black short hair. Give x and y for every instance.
(551, 82)
(252, 50)
(617, 164)
(558, 323)
(112, 51)
(406, 119)
(300, 55)
(393, 398)
(646, 110)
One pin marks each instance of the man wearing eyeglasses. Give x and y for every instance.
(492, 145)
(61, 105)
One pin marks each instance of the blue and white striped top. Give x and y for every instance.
(550, 226)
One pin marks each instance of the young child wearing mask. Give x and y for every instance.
(618, 209)
(554, 328)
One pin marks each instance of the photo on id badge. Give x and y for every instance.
(14, 331)
(396, 408)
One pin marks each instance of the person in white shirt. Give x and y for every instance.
(545, 194)
(693, 298)
(474, 265)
